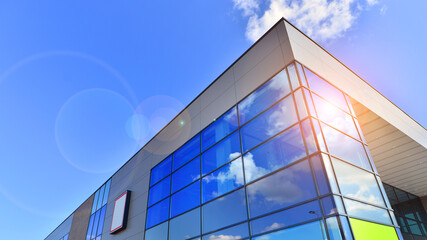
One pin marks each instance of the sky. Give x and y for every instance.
(85, 84)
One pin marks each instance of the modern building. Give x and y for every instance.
(288, 143)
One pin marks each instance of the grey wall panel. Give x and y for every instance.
(62, 229)
(81, 220)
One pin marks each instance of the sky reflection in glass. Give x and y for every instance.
(186, 175)
(220, 128)
(161, 170)
(158, 213)
(365, 211)
(185, 199)
(307, 231)
(234, 233)
(185, 226)
(187, 152)
(160, 191)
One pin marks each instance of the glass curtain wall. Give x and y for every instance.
(99, 206)
(287, 162)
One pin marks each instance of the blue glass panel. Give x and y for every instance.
(289, 217)
(95, 201)
(232, 208)
(334, 229)
(264, 97)
(95, 224)
(187, 152)
(101, 195)
(365, 211)
(329, 206)
(161, 170)
(185, 226)
(282, 189)
(89, 229)
(186, 175)
(345, 148)
(335, 117)
(280, 151)
(223, 180)
(220, 128)
(66, 237)
(159, 232)
(320, 175)
(101, 221)
(310, 231)
(221, 153)
(309, 136)
(234, 233)
(185, 199)
(160, 191)
(271, 122)
(358, 184)
(346, 228)
(158, 213)
(107, 191)
(326, 90)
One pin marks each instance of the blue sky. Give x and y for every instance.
(84, 84)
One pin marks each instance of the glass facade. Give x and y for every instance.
(97, 217)
(287, 162)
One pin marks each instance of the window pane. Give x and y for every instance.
(332, 205)
(335, 117)
(160, 191)
(107, 190)
(234, 233)
(365, 211)
(223, 180)
(95, 201)
(89, 229)
(280, 151)
(320, 175)
(232, 208)
(356, 183)
(101, 221)
(301, 75)
(186, 175)
(220, 128)
(309, 136)
(346, 148)
(264, 97)
(66, 237)
(158, 213)
(299, 99)
(157, 233)
(161, 170)
(187, 152)
(289, 217)
(334, 229)
(185, 199)
(185, 226)
(101, 195)
(312, 230)
(95, 224)
(372, 231)
(326, 90)
(271, 122)
(293, 76)
(221, 153)
(282, 189)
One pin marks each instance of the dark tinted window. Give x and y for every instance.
(187, 152)
(185, 199)
(161, 170)
(223, 180)
(160, 191)
(186, 175)
(158, 213)
(282, 189)
(264, 97)
(221, 153)
(280, 151)
(219, 129)
(271, 122)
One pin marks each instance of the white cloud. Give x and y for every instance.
(319, 19)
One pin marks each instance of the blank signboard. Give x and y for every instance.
(120, 212)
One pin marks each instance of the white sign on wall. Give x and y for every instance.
(120, 213)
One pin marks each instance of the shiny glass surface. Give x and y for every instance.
(264, 97)
(187, 152)
(332, 205)
(160, 191)
(95, 224)
(346, 148)
(220, 128)
(101, 221)
(282, 189)
(271, 122)
(161, 170)
(186, 175)
(293, 76)
(223, 180)
(185, 226)
(358, 184)
(222, 152)
(365, 211)
(158, 213)
(335, 117)
(89, 229)
(286, 218)
(185, 199)
(233, 233)
(232, 208)
(310, 231)
(309, 136)
(299, 100)
(159, 232)
(334, 229)
(326, 90)
(107, 191)
(278, 152)
(320, 175)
